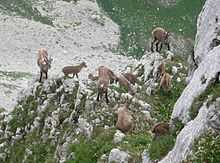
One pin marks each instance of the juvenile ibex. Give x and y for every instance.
(165, 78)
(73, 69)
(160, 36)
(43, 62)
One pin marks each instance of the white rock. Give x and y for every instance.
(149, 91)
(174, 70)
(85, 127)
(206, 29)
(178, 79)
(170, 55)
(118, 156)
(118, 137)
(145, 157)
(209, 67)
(147, 114)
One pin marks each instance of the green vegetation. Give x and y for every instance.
(89, 151)
(137, 18)
(136, 143)
(23, 115)
(213, 91)
(23, 8)
(206, 149)
(161, 146)
(39, 151)
(13, 75)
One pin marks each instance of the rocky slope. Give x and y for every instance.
(72, 36)
(60, 121)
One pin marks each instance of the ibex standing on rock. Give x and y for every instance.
(104, 77)
(74, 69)
(43, 62)
(160, 36)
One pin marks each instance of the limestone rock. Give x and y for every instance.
(118, 156)
(118, 137)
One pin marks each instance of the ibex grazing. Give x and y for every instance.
(43, 62)
(130, 77)
(123, 82)
(165, 78)
(73, 69)
(160, 36)
(125, 119)
(104, 77)
(160, 128)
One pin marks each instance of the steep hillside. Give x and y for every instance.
(60, 120)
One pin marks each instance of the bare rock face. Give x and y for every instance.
(208, 29)
(73, 38)
(207, 58)
(213, 117)
(204, 75)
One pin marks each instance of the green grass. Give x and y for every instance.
(161, 146)
(137, 18)
(89, 151)
(163, 102)
(15, 75)
(213, 90)
(206, 149)
(136, 144)
(41, 151)
(23, 8)
(21, 115)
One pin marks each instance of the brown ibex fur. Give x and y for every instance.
(130, 77)
(165, 78)
(123, 82)
(104, 77)
(160, 128)
(73, 69)
(160, 36)
(43, 62)
(125, 119)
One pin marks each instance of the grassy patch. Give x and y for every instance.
(15, 75)
(161, 146)
(137, 18)
(163, 102)
(206, 149)
(38, 151)
(89, 151)
(23, 115)
(135, 144)
(213, 90)
(24, 8)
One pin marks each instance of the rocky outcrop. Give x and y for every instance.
(207, 118)
(73, 37)
(206, 58)
(204, 75)
(208, 29)
(118, 156)
(213, 117)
